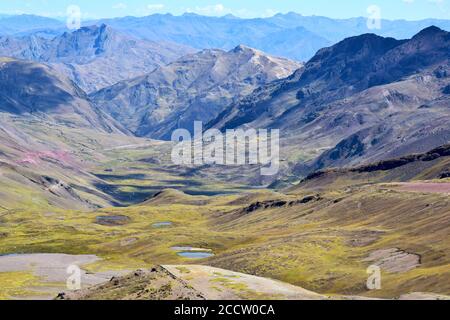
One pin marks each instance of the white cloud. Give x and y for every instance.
(155, 7)
(221, 10)
(212, 10)
(120, 5)
(269, 13)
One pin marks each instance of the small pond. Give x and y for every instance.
(164, 224)
(112, 220)
(195, 255)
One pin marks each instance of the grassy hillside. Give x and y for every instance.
(321, 235)
(320, 245)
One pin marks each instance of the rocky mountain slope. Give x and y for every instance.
(50, 134)
(365, 99)
(96, 56)
(190, 282)
(36, 90)
(195, 87)
(197, 282)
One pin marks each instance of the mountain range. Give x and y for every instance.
(364, 99)
(194, 88)
(96, 56)
(273, 35)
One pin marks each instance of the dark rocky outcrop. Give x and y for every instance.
(446, 90)
(440, 152)
(271, 204)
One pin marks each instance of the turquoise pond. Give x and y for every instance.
(195, 255)
(164, 224)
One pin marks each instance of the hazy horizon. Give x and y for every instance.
(412, 10)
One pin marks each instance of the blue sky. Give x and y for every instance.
(390, 9)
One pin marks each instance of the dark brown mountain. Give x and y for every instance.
(365, 99)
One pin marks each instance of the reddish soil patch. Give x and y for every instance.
(37, 157)
(425, 187)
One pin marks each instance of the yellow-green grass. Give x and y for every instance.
(17, 285)
(309, 245)
(75, 232)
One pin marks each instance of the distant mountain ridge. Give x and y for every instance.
(96, 56)
(27, 23)
(290, 35)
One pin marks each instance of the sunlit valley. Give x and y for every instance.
(87, 178)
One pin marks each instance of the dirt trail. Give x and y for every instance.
(219, 284)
